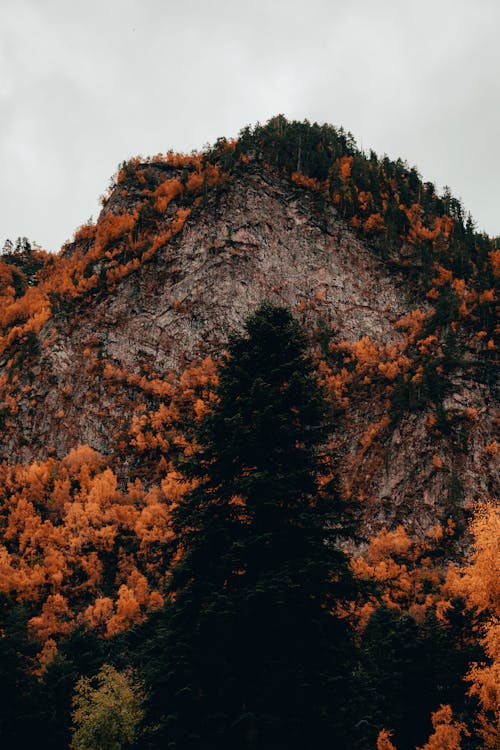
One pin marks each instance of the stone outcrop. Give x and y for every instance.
(261, 238)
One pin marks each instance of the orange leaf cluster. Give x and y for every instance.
(62, 520)
(374, 223)
(494, 256)
(479, 583)
(308, 182)
(447, 733)
(412, 324)
(442, 225)
(345, 163)
(402, 565)
(384, 740)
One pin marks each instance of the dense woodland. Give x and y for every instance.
(227, 594)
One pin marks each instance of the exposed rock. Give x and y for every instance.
(261, 239)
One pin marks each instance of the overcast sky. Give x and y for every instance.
(87, 84)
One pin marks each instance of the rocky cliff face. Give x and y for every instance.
(94, 369)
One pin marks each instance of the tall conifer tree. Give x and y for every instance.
(254, 653)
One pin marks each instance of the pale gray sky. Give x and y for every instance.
(85, 84)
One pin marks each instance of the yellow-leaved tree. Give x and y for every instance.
(107, 710)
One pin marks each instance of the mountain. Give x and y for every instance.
(109, 360)
(110, 348)
(186, 247)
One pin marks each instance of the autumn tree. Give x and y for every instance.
(107, 711)
(479, 582)
(253, 651)
(447, 732)
(384, 740)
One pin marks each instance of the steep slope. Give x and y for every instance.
(262, 244)
(255, 235)
(113, 345)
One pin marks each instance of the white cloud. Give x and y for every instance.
(85, 85)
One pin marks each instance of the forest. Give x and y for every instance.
(214, 581)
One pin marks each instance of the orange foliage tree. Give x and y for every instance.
(403, 567)
(479, 583)
(447, 733)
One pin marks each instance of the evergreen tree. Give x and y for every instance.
(396, 679)
(80, 654)
(253, 651)
(409, 669)
(20, 724)
(8, 247)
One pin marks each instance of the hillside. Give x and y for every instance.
(109, 354)
(186, 247)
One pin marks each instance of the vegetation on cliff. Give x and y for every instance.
(157, 546)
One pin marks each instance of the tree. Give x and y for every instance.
(384, 740)
(393, 678)
(19, 709)
(81, 653)
(447, 733)
(8, 247)
(107, 711)
(255, 652)
(408, 669)
(480, 583)
(23, 245)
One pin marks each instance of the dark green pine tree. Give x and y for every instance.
(20, 719)
(252, 651)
